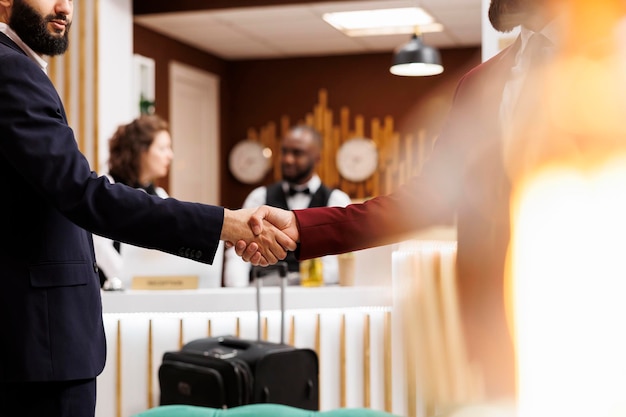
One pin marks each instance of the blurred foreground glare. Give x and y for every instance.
(566, 269)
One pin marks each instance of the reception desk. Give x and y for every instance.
(392, 342)
(243, 299)
(349, 327)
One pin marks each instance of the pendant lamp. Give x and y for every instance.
(416, 59)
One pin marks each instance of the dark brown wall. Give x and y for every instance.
(263, 91)
(254, 93)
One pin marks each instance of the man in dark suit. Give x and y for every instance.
(52, 343)
(464, 181)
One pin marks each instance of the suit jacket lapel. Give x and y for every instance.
(4, 39)
(498, 74)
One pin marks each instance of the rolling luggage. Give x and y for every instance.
(224, 372)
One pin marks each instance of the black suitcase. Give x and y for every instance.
(224, 372)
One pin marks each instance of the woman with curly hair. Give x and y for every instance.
(139, 154)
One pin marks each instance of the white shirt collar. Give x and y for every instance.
(552, 31)
(4, 28)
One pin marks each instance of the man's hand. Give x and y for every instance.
(263, 217)
(269, 242)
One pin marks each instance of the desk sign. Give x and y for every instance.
(170, 282)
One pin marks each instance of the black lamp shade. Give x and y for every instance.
(416, 59)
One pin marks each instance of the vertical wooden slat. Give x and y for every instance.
(252, 135)
(265, 328)
(209, 330)
(82, 81)
(387, 384)
(150, 366)
(292, 331)
(359, 126)
(318, 331)
(335, 180)
(411, 387)
(344, 123)
(367, 391)
(96, 82)
(68, 85)
(118, 369)
(237, 327)
(342, 362)
(52, 70)
(181, 336)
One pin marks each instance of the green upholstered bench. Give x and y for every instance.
(257, 410)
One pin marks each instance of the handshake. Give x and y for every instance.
(261, 236)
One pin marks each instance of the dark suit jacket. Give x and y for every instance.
(50, 308)
(463, 180)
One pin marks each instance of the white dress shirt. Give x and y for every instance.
(513, 86)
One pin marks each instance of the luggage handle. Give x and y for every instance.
(233, 343)
(281, 267)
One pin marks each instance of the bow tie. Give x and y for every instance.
(293, 191)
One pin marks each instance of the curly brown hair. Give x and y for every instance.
(128, 143)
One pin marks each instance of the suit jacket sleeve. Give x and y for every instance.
(427, 200)
(45, 165)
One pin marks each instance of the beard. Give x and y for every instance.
(299, 177)
(32, 28)
(505, 15)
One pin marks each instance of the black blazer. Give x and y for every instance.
(50, 308)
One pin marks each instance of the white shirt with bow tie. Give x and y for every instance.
(236, 271)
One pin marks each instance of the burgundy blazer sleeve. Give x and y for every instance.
(457, 175)
(382, 220)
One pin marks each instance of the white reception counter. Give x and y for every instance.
(347, 326)
(242, 299)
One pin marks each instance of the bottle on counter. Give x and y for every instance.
(311, 273)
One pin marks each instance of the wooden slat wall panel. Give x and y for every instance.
(75, 76)
(400, 158)
(437, 373)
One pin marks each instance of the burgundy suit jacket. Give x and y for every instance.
(463, 180)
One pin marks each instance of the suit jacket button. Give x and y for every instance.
(187, 252)
(181, 252)
(198, 254)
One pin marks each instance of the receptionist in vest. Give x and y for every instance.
(300, 187)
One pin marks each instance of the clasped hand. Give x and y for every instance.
(261, 236)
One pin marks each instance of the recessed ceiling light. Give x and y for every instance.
(383, 21)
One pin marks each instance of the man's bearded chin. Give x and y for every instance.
(506, 15)
(299, 177)
(32, 28)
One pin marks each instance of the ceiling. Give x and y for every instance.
(297, 30)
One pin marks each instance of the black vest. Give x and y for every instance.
(276, 198)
